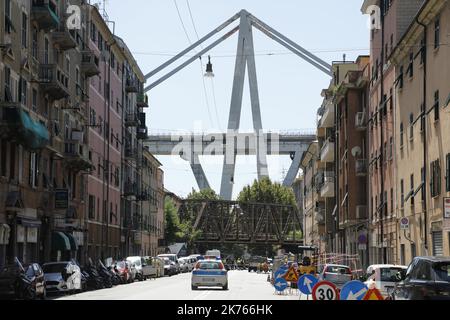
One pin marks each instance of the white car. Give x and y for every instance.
(209, 273)
(173, 258)
(144, 269)
(62, 277)
(384, 276)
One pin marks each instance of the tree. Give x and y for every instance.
(206, 194)
(172, 227)
(265, 191)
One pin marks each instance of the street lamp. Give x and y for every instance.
(209, 69)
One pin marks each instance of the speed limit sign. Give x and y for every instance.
(325, 290)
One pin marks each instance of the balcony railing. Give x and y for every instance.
(327, 152)
(76, 155)
(89, 63)
(43, 12)
(328, 117)
(130, 189)
(54, 81)
(131, 86)
(64, 38)
(142, 100)
(131, 120)
(361, 212)
(130, 153)
(327, 190)
(361, 167)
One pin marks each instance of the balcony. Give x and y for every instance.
(360, 121)
(54, 81)
(131, 86)
(142, 100)
(130, 189)
(327, 152)
(131, 120)
(89, 63)
(328, 117)
(64, 38)
(43, 12)
(361, 167)
(130, 153)
(361, 212)
(327, 190)
(142, 133)
(76, 155)
(143, 196)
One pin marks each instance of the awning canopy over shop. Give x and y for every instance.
(60, 242)
(73, 242)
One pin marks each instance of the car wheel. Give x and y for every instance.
(194, 288)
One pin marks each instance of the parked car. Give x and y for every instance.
(133, 271)
(336, 274)
(209, 273)
(174, 259)
(170, 268)
(384, 277)
(427, 278)
(144, 269)
(62, 277)
(184, 265)
(149, 267)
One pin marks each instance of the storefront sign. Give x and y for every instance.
(32, 235)
(61, 199)
(137, 237)
(446, 208)
(20, 234)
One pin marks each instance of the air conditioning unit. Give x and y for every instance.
(361, 212)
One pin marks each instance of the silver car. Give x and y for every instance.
(209, 273)
(61, 277)
(337, 274)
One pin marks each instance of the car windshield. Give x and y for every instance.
(209, 265)
(54, 268)
(442, 271)
(166, 262)
(121, 265)
(390, 274)
(339, 270)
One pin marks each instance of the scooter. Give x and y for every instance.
(104, 274)
(23, 285)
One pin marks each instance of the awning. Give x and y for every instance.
(31, 133)
(60, 242)
(73, 242)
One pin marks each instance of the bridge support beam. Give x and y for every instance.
(199, 173)
(293, 170)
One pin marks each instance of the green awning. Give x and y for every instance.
(60, 242)
(73, 242)
(35, 134)
(28, 132)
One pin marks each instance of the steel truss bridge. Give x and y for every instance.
(245, 62)
(242, 223)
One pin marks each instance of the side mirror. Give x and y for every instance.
(399, 276)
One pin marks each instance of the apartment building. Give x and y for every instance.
(314, 211)
(351, 100)
(395, 17)
(43, 140)
(421, 62)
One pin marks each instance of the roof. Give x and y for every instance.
(378, 266)
(177, 247)
(435, 259)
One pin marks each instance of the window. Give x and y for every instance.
(413, 251)
(8, 21)
(422, 117)
(3, 153)
(438, 243)
(435, 179)
(400, 78)
(34, 170)
(34, 100)
(437, 31)
(422, 175)
(23, 91)
(402, 193)
(46, 51)
(392, 200)
(24, 30)
(93, 32)
(391, 148)
(447, 176)
(422, 51)
(410, 70)
(411, 126)
(401, 135)
(91, 207)
(391, 99)
(402, 255)
(34, 44)
(436, 106)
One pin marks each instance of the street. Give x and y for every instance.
(242, 286)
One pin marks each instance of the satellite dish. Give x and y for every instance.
(356, 152)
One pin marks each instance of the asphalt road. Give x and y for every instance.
(242, 286)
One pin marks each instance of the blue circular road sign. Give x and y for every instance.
(280, 284)
(354, 290)
(306, 283)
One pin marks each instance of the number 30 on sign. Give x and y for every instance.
(325, 290)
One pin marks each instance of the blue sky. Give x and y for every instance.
(289, 87)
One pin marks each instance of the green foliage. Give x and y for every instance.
(207, 194)
(172, 227)
(265, 191)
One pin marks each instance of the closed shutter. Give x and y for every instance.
(438, 249)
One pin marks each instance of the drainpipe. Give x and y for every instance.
(425, 144)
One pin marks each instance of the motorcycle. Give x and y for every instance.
(23, 284)
(105, 274)
(116, 280)
(94, 280)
